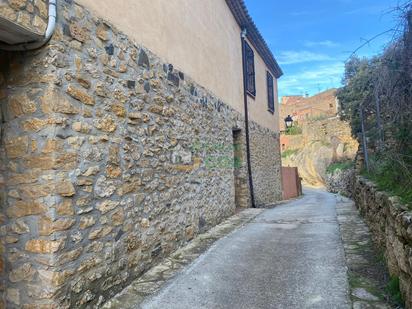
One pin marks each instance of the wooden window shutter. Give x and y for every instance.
(270, 88)
(250, 70)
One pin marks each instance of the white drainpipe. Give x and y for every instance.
(51, 26)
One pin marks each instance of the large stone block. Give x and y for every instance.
(26, 208)
(53, 101)
(26, 272)
(80, 95)
(106, 124)
(47, 226)
(53, 278)
(43, 246)
(36, 124)
(21, 105)
(16, 147)
(18, 4)
(78, 32)
(107, 206)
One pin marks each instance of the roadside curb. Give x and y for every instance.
(155, 278)
(366, 273)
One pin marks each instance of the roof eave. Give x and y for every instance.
(245, 21)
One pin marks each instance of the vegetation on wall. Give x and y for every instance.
(394, 292)
(289, 152)
(378, 90)
(295, 130)
(385, 173)
(339, 166)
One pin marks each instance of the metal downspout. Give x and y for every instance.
(51, 26)
(249, 165)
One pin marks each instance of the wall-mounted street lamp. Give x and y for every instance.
(288, 122)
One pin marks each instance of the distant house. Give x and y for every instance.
(124, 136)
(302, 108)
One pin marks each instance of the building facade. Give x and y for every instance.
(123, 137)
(303, 109)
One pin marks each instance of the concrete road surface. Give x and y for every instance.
(288, 257)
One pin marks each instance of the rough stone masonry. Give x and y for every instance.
(99, 175)
(390, 223)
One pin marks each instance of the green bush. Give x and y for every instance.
(391, 175)
(394, 291)
(295, 130)
(289, 152)
(342, 166)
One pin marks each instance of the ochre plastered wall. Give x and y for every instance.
(201, 38)
(258, 106)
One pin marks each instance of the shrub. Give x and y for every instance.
(295, 130)
(377, 92)
(390, 175)
(341, 166)
(394, 291)
(289, 152)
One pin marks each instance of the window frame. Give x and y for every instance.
(250, 70)
(270, 86)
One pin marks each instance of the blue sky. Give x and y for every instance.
(311, 39)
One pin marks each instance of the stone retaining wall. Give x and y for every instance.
(110, 159)
(30, 14)
(391, 225)
(341, 182)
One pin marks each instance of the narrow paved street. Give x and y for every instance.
(287, 257)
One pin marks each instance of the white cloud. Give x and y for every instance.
(312, 80)
(323, 71)
(292, 57)
(325, 43)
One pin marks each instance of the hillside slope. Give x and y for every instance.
(321, 143)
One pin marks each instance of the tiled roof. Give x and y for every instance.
(244, 20)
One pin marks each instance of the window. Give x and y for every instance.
(250, 70)
(271, 98)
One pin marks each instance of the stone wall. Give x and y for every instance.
(266, 165)
(291, 141)
(30, 14)
(331, 130)
(110, 159)
(391, 225)
(241, 179)
(341, 182)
